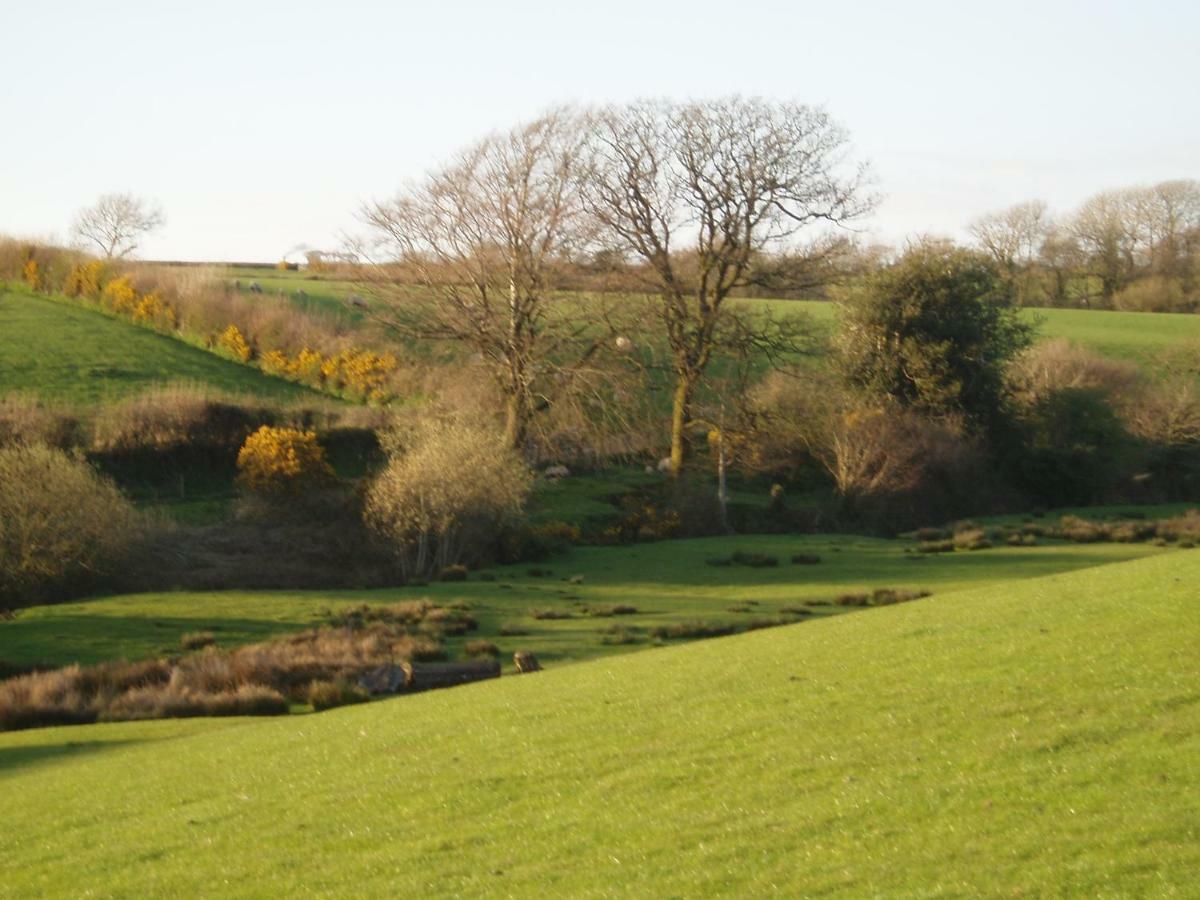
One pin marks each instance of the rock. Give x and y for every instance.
(526, 662)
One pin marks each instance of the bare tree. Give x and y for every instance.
(1013, 237)
(694, 191)
(117, 223)
(469, 255)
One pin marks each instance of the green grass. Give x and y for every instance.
(1126, 335)
(64, 353)
(668, 582)
(1039, 738)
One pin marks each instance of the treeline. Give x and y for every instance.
(1135, 248)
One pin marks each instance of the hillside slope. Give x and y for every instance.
(65, 353)
(1035, 738)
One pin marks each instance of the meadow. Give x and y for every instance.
(66, 354)
(1032, 737)
(668, 583)
(1136, 336)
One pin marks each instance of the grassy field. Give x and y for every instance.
(668, 582)
(1039, 738)
(64, 353)
(1128, 335)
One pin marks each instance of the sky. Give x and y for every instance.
(261, 126)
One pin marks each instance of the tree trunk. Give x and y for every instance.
(516, 422)
(679, 415)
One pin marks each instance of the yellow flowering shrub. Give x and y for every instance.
(85, 279)
(153, 310)
(275, 362)
(306, 366)
(234, 342)
(282, 460)
(359, 372)
(120, 295)
(32, 273)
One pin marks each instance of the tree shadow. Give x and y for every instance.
(12, 758)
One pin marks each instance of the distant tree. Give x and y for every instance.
(1012, 238)
(469, 253)
(117, 223)
(695, 191)
(933, 332)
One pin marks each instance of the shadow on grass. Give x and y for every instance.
(12, 758)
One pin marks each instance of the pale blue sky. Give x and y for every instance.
(259, 125)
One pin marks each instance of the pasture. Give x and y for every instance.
(63, 353)
(1029, 737)
(668, 583)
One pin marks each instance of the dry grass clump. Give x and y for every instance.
(63, 527)
(694, 629)
(971, 538)
(197, 640)
(939, 546)
(481, 648)
(324, 695)
(25, 420)
(618, 635)
(551, 613)
(318, 666)
(615, 609)
(879, 597)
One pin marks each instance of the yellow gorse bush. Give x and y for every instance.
(234, 342)
(360, 373)
(120, 295)
(282, 460)
(85, 279)
(32, 273)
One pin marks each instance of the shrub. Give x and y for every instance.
(445, 495)
(324, 695)
(512, 629)
(233, 342)
(197, 640)
(282, 461)
(63, 527)
(805, 559)
(481, 648)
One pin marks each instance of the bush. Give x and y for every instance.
(445, 494)
(277, 461)
(618, 635)
(805, 559)
(1072, 448)
(324, 695)
(64, 529)
(616, 609)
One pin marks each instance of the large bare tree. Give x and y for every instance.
(117, 223)
(694, 191)
(469, 255)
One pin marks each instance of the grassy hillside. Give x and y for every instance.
(669, 583)
(1128, 335)
(64, 353)
(1037, 738)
